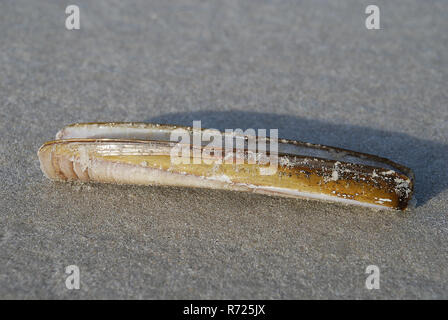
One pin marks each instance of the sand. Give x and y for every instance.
(311, 70)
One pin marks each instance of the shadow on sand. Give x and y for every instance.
(427, 159)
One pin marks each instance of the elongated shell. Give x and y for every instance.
(137, 153)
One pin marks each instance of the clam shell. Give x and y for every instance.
(139, 153)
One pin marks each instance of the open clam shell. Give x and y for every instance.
(141, 153)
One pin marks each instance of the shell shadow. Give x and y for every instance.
(426, 158)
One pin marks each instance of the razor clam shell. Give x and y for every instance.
(161, 132)
(305, 170)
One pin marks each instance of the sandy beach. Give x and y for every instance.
(310, 69)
